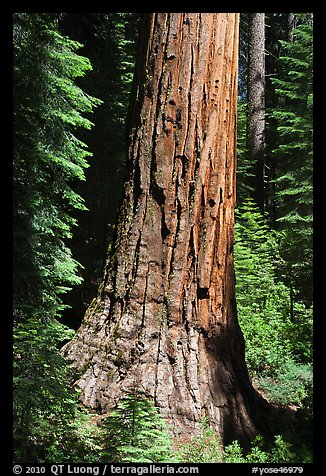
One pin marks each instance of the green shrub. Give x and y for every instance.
(300, 332)
(203, 448)
(280, 451)
(48, 423)
(206, 448)
(275, 326)
(233, 453)
(291, 384)
(77, 443)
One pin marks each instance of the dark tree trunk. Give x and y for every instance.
(256, 103)
(165, 316)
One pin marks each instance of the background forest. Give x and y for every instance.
(72, 80)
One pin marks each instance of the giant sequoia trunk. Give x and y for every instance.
(165, 316)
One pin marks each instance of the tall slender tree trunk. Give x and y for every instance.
(256, 103)
(165, 316)
(290, 27)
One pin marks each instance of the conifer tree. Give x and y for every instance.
(293, 155)
(48, 158)
(135, 432)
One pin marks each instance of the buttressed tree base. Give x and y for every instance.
(164, 319)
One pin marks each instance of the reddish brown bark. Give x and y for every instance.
(165, 316)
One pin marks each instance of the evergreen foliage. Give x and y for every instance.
(278, 361)
(263, 303)
(48, 424)
(135, 432)
(40, 391)
(293, 155)
(48, 158)
(206, 448)
(291, 385)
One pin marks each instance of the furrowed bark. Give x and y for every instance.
(165, 316)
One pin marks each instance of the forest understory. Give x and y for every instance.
(162, 185)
